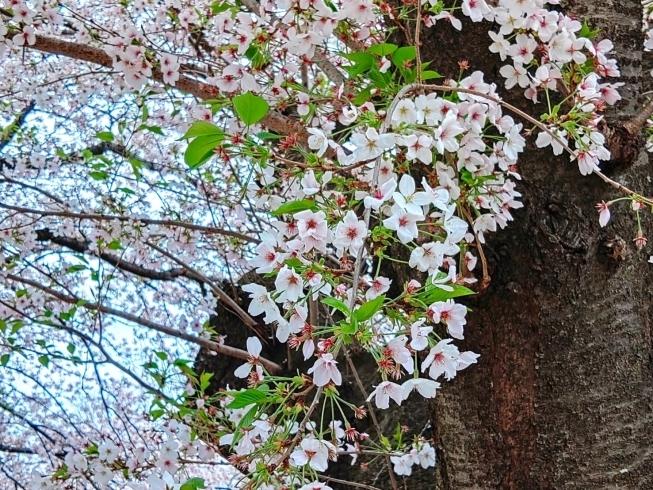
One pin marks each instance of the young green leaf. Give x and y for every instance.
(104, 136)
(383, 49)
(250, 108)
(337, 304)
(193, 484)
(294, 207)
(402, 55)
(369, 309)
(247, 397)
(202, 128)
(201, 149)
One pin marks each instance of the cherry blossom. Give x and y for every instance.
(318, 141)
(384, 391)
(425, 387)
(235, 140)
(419, 335)
(604, 213)
(262, 302)
(404, 223)
(452, 314)
(325, 370)
(313, 452)
(379, 286)
(312, 229)
(445, 136)
(371, 145)
(441, 360)
(254, 348)
(290, 284)
(350, 233)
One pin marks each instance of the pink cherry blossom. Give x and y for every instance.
(452, 314)
(604, 213)
(325, 369)
(384, 391)
(350, 233)
(404, 223)
(313, 452)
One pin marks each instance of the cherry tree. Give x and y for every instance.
(166, 162)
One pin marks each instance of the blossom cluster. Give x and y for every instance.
(315, 156)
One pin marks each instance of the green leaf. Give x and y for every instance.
(161, 355)
(349, 328)
(205, 380)
(264, 135)
(363, 96)
(247, 397)
(361, 62)
(439, 294)
(257, 57)
(383, 49)
(75, 268)
(70, 348)
(402, 55)
(337, 304)
(219, 7)
(137, 165)
(157, 414)
(369, 309)
(44, 360)
(250, 108)
(587, 32)
(4, 359)
(294, 262)
(193, 484)
(294, 207)
(202, 128)
(98, 175)
(151, 129)
(201, 149)
(249, 417)
(381, 80)
(115, 245)
(430, 74)
(104, 136)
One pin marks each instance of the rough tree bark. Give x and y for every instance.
(562, 396)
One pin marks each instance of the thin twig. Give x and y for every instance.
(345, 482)
(147, 221)
(270, 366)
(244, 316)
(479, 247)
(370, 410)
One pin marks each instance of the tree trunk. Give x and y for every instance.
(562, 395)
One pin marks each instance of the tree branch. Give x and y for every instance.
(82, 246)
(207, 344)
(244, 316)
(16, 450)
(274, 120)
(320, 58)
(147, 221)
